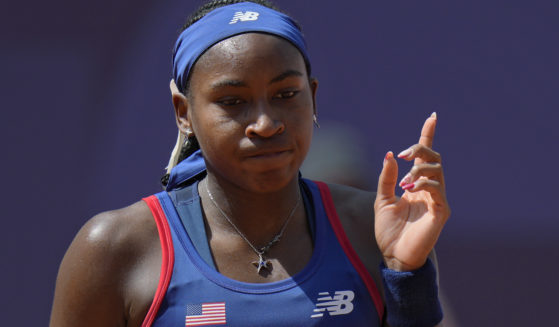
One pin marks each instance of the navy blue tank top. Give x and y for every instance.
(334, 288)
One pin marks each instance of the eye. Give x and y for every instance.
(230, 101)
(286, 94)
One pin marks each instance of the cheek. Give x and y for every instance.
(216, 134)
(307, 138)
(304, 128)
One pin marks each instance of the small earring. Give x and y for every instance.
(315, 120)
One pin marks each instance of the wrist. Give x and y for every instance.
(397, 265)
(412, 296)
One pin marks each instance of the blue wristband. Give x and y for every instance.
(412, 297)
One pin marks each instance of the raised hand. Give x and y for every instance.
(407, 228)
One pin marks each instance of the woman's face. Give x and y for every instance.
(250, 106)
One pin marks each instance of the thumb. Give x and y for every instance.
(387, 180)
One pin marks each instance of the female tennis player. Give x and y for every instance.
(238, 237)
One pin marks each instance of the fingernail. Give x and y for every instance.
(405, 153)
(408, 186)
(434, 115)
(388, 155)
(405, 180)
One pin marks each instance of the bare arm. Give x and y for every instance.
(407, 227)
(110, 272)
(356, 212)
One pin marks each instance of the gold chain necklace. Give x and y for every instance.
(262, 262)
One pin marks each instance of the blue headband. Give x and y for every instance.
(227, 21)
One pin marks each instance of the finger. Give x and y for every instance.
(387, 180)
(427, 134)
(173, 87)
(419, 151)
(432, 171)
(428, 131)
(434, 188)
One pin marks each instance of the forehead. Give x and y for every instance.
(249, 53)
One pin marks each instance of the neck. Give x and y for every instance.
(257, 215)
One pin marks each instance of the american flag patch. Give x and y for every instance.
(205, 314)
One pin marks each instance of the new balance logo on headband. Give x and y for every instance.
(243, 17)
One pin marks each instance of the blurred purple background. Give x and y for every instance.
(88, 126)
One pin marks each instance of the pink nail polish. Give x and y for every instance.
(405, 153)
(408, 186)
(388, 155)
(405, 180)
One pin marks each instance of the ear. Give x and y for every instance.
(314, 86)
(181, 105)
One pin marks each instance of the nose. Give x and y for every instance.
(264, 123)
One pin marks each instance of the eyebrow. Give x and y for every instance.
(228, 82)
(286, 74)
(238, 83)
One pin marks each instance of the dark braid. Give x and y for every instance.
(187, 149)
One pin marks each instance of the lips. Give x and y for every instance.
(254, 148)
(269, 158)
(268, 153)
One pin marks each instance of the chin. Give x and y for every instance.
(270, 181)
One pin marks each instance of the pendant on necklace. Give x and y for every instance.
(261, 263)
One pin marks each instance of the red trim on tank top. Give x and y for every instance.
(348, 249)
(167, 257)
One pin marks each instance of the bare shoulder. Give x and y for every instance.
(110, 271)
(116, 236)
(355, 209)
(124, 229)
(355, 203)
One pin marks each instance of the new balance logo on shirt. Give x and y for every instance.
(339, 304)
(244, 17)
